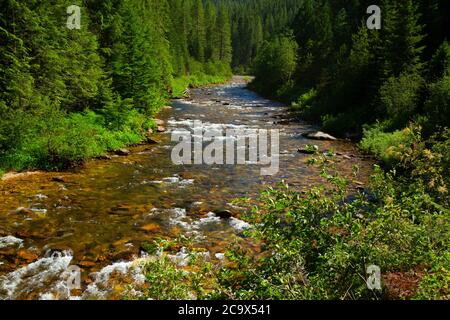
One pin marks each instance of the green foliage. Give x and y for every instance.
(438, 103)
(435, 283)
(387, 146)
(276, 62)
(440, 62)
(399, 96)
(54, 140)
(361, 76)
(318, 244)
(180, 84)
(167, 282)
(67, 95)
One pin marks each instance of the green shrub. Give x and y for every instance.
(341, 123)
(53, 139)
(399, 96)
(435, 284)
(304, 102)
(390, 147)
(318, 245)
(438, 104)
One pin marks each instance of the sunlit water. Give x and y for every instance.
(97, 216)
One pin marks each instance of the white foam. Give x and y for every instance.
(10, 241)
(48, 272)
(100, 288)
(210, 218)
(239, 225)
(171, 180)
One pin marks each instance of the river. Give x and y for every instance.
(98, 215)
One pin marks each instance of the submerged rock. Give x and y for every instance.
(24, 211)
(151, 227)
(58, 179)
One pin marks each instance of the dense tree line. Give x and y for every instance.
(345, 75)
(254, 21)
(68, 94)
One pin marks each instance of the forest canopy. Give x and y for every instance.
(68, 94)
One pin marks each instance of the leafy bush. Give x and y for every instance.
(341, 123)
(438, 104)
(54, 140)
(435, 284)
(387, 146)
(400, 96)
(276, 62)
(318, 244)
(303, 103)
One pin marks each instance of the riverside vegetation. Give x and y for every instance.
(67, 95)
(388, 88)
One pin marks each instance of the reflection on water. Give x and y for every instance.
(97, 216)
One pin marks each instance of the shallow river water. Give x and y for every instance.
(98, 215)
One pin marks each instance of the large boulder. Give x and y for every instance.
(319, 135)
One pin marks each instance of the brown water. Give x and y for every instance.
(98, 215)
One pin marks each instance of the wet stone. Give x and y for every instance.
(223, 213)
(123, 152)
(319, 135)
(58, 179)
(161, 129)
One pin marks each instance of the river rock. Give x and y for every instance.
(319, 135)
(159, 122)
(151, 228)
(123, 152)
(151, 141)
(309, 149)
(104, 157)
(122, 209)
(161, 129)
(223, 213)
(24, 211)
(10, 241)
